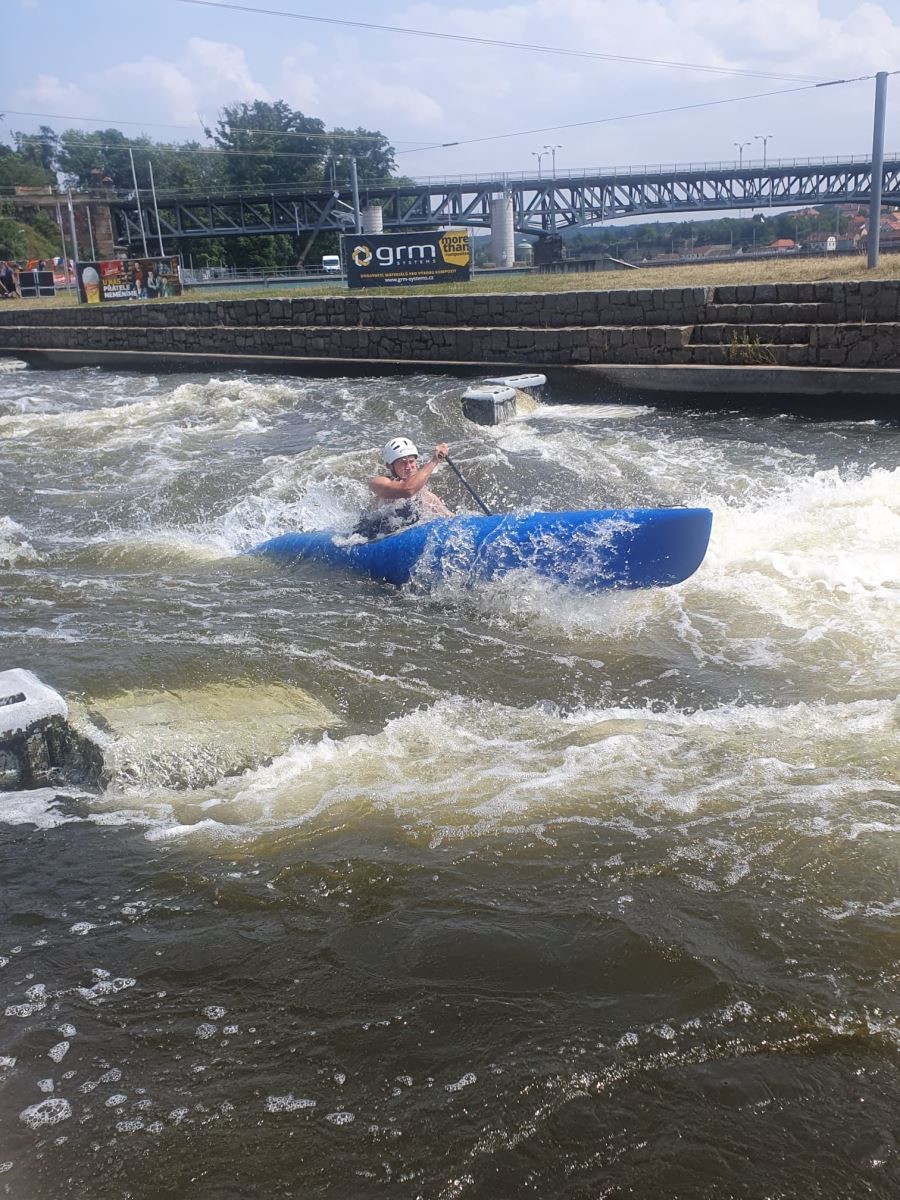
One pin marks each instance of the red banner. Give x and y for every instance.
(128, 279)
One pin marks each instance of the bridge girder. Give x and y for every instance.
(540, 206)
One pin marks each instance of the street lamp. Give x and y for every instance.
(552, 151)
(539, 155)
(764, 138)
(740, 148)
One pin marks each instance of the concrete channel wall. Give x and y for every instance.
(847, 324)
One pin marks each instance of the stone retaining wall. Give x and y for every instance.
(854, 323)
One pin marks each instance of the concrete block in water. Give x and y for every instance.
(38, 747)
(489, 403)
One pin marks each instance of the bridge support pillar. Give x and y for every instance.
(98, 213)
(503, 249)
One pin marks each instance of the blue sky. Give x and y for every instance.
(165, 65)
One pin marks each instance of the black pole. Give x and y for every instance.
(478, 500)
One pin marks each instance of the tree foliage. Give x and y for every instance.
(20, 170)
(269, 144)
(12, 234)
(373, 153)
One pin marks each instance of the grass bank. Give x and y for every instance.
(800, 270)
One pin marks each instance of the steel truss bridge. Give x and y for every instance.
(541, 206)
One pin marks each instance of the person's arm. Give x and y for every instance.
(435, 505)
(404, 489)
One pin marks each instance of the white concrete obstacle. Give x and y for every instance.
(38, 748)
(497, 399)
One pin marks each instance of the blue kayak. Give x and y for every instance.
(593, 550)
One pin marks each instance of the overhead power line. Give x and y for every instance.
(327, 133)
(203, 150)
(653, 112)
(471, 39)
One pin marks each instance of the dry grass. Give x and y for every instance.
(797, 270)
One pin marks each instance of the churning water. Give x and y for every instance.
(473, 893)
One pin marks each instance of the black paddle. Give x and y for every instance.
(478, 500)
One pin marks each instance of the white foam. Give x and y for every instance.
(39, 807)
(14, 545)
(105, 987)
(465, 1081)
(288, 1103)
(48, 1112)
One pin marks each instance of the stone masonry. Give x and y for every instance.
(848, 324)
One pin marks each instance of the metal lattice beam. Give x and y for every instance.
(540, 206)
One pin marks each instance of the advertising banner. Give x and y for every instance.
(128, 279)
(395, 259)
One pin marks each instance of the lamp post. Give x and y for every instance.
(740, 150)
(539, 155)
(764, 138)
(552, 152)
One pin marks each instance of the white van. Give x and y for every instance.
(331, 264)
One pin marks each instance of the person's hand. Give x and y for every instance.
(441, 452)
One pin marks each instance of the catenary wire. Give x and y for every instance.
(471, 39)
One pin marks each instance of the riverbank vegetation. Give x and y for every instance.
(795, 270)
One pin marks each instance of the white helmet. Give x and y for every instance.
(398, 447)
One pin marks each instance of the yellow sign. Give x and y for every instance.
(455, 247)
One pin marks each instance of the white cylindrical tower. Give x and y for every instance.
(373, 219)
(503, 250)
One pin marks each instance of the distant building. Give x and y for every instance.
(782, 244)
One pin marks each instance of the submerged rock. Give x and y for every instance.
(193, 736)
(185, 738)
(38, 746)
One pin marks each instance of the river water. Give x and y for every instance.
(474, 893)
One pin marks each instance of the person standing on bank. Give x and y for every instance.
(401, 496)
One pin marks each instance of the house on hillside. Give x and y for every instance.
(890, 232)
(782, 244)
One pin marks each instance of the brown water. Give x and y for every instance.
(471, 893)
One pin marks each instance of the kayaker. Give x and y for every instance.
(401, 497)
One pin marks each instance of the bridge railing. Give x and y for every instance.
(526, 177)
(756, 164)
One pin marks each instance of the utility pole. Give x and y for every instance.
(137, 197)
(162, 249)
(74, 235)
(62, 235)
(874, 237)
(354, 179)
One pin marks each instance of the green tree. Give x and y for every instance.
(17, 170)
(104, 153)
(269, 144)
(12, 233)
(39, 149)
(265, 251)
(373, 153)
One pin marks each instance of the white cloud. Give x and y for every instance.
(435, 90)
(49, 94)
(298, 83)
